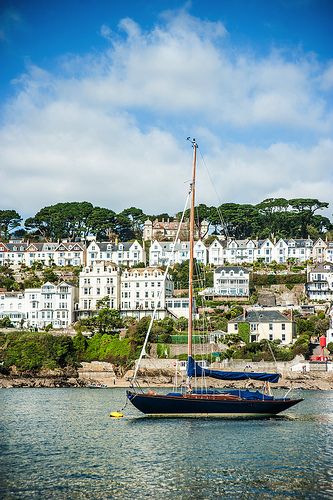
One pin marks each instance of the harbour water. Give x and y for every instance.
(62, 444)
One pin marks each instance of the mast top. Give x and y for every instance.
(193, 142)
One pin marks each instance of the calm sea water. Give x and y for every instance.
(61, 443)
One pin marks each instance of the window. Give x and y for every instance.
(283, 337)
(271, 326)
(283, 326)
(270, 336)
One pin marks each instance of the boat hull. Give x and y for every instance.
(160, 405)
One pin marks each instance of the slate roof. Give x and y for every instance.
(236, 269)
(262, 316)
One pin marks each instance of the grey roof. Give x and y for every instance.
(19, 247)
(236, 269)
(103, 246)
(262, 316)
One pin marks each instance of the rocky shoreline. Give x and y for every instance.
(152, 378)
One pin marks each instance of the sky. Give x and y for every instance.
(97, 100)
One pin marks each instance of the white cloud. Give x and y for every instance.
(109, 128)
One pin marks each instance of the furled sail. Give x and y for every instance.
(194, 369)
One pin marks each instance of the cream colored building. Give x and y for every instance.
(263, 324)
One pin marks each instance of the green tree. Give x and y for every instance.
(9, 220)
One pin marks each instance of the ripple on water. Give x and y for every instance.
(60, 443)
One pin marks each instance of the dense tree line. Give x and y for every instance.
(277, 217)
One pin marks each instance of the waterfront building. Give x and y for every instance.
(265, 325)
(50, 305)
(12, 306)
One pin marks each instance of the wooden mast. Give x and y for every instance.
(191, 266)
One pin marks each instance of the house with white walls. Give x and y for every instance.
(229, 282)
(216, 251)
(12, 307)
(125, 254)
(319, 284)
(265, 325)
(142, 290)
(96, 281)
(163, 252)
(50, 305)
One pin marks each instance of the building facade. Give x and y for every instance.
(126, 254)
(50, 305)
(12, 307)
(319, 284)
(166, 229)
(229, 281)
(265, 325)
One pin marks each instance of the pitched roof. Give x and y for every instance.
(235, 269)
(262, 316)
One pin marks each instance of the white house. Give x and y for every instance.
(161, 252)
(142, 290)
(264, 251)
(216, 252)
(12, 254)
(229, 281)
(50, 305)
(239, 251)
(126, 254)
(12, 306)
(263, 324)
(133, 291)
(319, 284)
(100, 279)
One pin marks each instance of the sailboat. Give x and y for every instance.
(204, 402)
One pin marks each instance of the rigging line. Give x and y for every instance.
(219, 212)
(143, 350)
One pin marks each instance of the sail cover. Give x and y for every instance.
(194, 369)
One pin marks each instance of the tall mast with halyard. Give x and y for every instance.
(191, 263)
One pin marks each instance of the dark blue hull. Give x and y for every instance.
(173, 406)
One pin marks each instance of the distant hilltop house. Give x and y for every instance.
(229, 282)
(166, 229)
(319, 284)
(263, 324)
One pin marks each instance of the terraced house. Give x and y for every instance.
(126, 254)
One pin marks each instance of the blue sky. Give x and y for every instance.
(97, 99)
